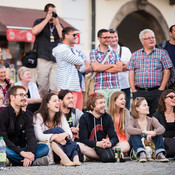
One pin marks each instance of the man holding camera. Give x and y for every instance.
(48, 32)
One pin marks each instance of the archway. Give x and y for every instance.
(135, 16)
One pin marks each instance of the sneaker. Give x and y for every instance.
(161, 158)
(43, 161)
(142, 157)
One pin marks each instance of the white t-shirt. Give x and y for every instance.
(125, 57)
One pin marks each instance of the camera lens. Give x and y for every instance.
(54, 15)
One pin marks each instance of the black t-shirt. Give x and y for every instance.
(69, 119)
(170, 48)
(43, 44)
(169, 126)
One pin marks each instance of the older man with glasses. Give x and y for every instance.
(149, 70)
(105, 63)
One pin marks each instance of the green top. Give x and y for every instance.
(1, 137)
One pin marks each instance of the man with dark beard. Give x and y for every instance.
(72, 114)
(16, 127)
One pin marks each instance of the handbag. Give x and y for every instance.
(30, 58)
(106, 155)
(169, 146)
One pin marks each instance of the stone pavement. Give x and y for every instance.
(96, 168)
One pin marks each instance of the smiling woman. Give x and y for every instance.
(120, 116)
(5, 85)
(50, 125)
(166, 116)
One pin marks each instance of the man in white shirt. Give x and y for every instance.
(124, 55)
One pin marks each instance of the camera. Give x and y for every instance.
(54, 15)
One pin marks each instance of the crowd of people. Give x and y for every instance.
(43, 123)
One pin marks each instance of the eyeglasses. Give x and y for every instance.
(149, 38)
(107, 37)
(22, 95)
(171, 96)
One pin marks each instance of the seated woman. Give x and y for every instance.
(34, 99)
(120, 116)
(50, 125)
(5, 85)
(166, 116)
(143, 126)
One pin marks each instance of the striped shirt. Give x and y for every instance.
(67, 75)
(104, 80)
(148, 68)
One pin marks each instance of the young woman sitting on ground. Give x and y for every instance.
(143, 126)
(120, 116)
(50, 125)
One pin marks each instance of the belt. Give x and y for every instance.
(148, 89)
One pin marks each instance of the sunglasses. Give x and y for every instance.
(74, 35)
(112, 30)
(171, 96)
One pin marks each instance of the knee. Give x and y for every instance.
(125, 148)
(43, 148)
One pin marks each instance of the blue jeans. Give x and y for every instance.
(137, 145)
(127, 91)
(70, 148)
(15, 159)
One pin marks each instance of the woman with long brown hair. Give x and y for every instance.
(148, 127)
(166, 116)
(120, 116)
(51, 126)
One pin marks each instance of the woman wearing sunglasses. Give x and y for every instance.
(166, 116)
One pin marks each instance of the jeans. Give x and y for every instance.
(70, 148)
(127, 91)
(15, 159)
(137, 145)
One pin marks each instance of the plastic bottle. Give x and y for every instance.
(2, 153)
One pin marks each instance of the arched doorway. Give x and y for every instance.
(135, 16)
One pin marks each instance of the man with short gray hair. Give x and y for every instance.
(149, 70)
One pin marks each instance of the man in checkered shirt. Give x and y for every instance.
(149, 70)
(106, 78)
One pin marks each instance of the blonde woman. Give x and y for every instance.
(143, 126)
(120, 116)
